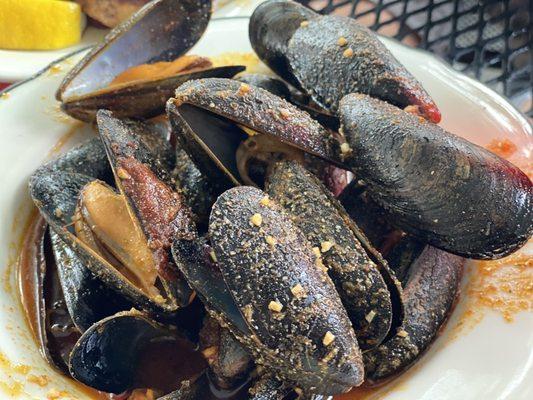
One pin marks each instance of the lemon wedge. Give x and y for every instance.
(39, 24)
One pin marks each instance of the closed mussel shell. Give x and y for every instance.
(439, 187)
(357, 278)
(300, 328)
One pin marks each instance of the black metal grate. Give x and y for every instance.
(487, 39)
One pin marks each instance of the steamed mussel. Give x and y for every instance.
(115, 75)
(221, 250)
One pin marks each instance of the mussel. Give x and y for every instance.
(117, 353)
(272, 296)
(83, 211)
(358, 279)
(430, 290)
(398, 176)
(328, 57)
(439, 187)
(158, 34)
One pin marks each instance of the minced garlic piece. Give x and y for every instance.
(304, 23)
(265, 201)
(297, 290)
(370, 316)
(342, 41)
(347, 53)
(275, 306)
(243, 89)
(402, 333)
(256, 219)
(316, 252)
(209, 352)
(213, 256)
(321, 265)
(123, 174)
(328, 338)
(345, 148)
(285, 114)
(159, 299)
(325, 246)
(271, 240)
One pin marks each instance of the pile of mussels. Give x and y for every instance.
(302, 234)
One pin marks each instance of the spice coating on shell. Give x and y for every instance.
(331, 56)
(289, 341)
(321, 66)
(437, 186)
(356, 277)
(257, 109)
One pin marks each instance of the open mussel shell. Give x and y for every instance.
(142, 99)
(144, 181)
(286, 302)
(438, 187)
(206, 115)
(161, 31)
(56, 195)
(114, 354)
(321, 218)
(331, 56)
(432, 284)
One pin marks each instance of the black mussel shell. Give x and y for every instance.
(272, 275)
(88, 158)
(109, 356)
(331, 56)
(87, 298)
(161, 31)
(42, 299)
(322, 219)
(205, 113)
(439, 187)
(271, 27)
(139, 99)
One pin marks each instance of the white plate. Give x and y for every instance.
(494, 360)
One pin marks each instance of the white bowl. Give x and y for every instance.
(493, 360)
